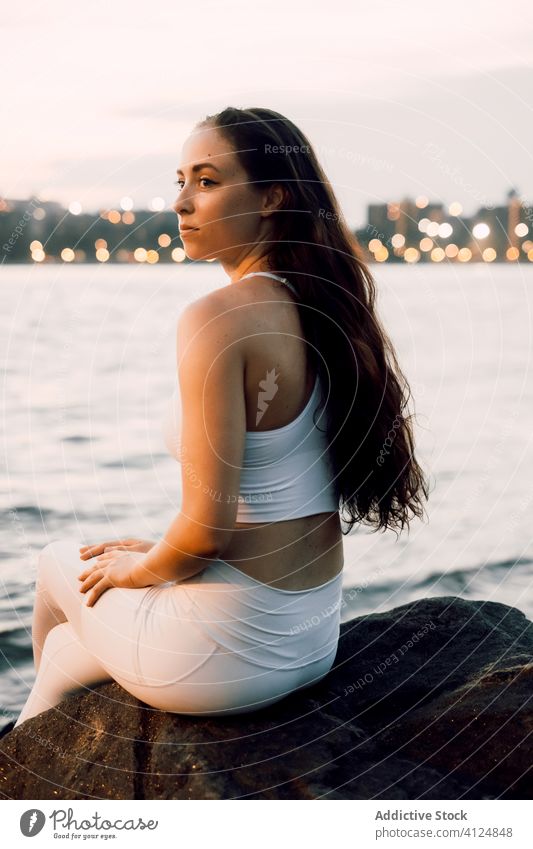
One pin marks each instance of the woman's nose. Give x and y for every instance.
(182, 204)
(177, 206)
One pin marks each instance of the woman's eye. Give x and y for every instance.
(202, 179)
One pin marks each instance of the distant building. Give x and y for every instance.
(514, 207)
(407, 230)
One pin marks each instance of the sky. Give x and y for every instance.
(398, 98)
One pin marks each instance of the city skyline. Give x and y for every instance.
(410, 230)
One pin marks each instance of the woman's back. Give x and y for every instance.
(302, 552)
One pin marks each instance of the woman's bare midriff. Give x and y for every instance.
(300, 553)
(294, 555)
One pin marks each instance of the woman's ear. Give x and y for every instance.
(274, 199)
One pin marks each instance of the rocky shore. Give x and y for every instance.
(431, 700)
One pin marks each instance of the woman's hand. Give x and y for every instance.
(111, 569)
(130, 544)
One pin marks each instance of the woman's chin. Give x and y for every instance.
(197, 253)
(190, 253)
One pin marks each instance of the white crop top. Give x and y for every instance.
(286, 472)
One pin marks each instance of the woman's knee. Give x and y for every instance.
(61, 544)
(58, 552)
(59, 638)
(56, 578)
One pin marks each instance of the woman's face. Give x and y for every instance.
(217, 199)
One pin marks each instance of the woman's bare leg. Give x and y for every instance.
(46, 615)
(57, 598)
(65, 665)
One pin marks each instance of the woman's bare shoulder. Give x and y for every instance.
(227, 300)
(215, 310)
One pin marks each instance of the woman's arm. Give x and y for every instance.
(182, 553)
(210, 359)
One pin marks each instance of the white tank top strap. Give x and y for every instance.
(270, 274)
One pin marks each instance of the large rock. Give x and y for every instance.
(431, 700)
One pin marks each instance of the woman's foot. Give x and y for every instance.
(7, 728)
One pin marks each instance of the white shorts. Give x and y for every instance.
(218, 643)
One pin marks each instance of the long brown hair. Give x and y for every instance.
(370, 438)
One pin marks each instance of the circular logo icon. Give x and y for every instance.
(31, 822)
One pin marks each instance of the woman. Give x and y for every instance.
(290, 408)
